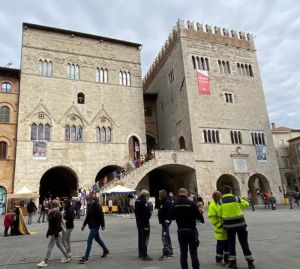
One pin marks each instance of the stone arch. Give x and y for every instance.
(61, 181)
(258, 184)
(11, 106)
(7, 140)
(108, 173)
(134, 148)
(227, 179)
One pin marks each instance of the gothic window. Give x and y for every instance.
(102, 135)
(224, 67)
(98, 134)
(45, 68)
(206, 64)
(200, 63)
(245, 69)
(67, 133)
(108, 135)
(73, 133)
(3, 150)
(4, 114)
(194, 62)
(236, 137)
(6, 87)
(79, 134)
(258, 138)
(124, 78)
(211, 136)
(121, 78)
(228, 97)
(80, 98)
(73, 71)
(128, 79)
(33, 131)
(47, 132)
(40, 132)
(101, 75)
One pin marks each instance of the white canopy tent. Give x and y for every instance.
(119, 190)
(24, 193)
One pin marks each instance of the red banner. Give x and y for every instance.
(203, 83)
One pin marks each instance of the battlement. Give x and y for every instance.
(198, 31)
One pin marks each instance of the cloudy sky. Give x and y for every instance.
(275, 24)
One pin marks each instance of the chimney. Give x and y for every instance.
(273, 125)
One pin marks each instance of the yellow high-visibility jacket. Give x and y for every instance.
(216, 221)
(230, 210)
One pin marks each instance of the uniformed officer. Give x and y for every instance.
(220, 232)
(230, 210)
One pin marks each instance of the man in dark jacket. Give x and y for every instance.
(55, 234)
(94, 219)
(142, 215)
(185, 212)
(31, 208)
(164, 218)
(69, 216)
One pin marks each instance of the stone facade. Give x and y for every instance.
(9, 96)
(53, 99)
(183, 114)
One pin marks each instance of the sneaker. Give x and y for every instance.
(163, 258)
(105, 253)
(84, 260)
(147, 258)
(65, 260)
(42, 264)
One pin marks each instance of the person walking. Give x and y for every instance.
(185, 212)
(55, 233)
(43, 210)
(8, 222)
(110, 206)
(272, 200)
(31, 209)
(94, 219)
(230, 210)
(142, 215)
(165, 218)
(77, 207)
(220, 232)
(69, 216)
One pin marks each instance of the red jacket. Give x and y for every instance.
(8, 219)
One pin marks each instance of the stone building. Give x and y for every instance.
(286, 142)
(206, 87)
(81, 109)
(9, 96)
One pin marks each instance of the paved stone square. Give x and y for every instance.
(274, 240)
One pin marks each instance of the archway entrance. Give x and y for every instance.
(59, 182)
(258, 184)
(231, 181)
(107, 174)
(151, 143)
(3, 195)
(181, 142)
(134, 148)
(171, 178)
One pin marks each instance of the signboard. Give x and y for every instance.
(261, 153)
(39, 150)
(240, 165)
(203, 82)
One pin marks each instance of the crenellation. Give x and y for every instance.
(199, 27)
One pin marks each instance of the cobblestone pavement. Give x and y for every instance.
(274, 238)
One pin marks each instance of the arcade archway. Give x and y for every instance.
(231, 181)
(170, 177)
(107, 174)
(60, 182)
(258, 184)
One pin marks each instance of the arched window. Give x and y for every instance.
(128, 79)
(105, 78)
(77, 72)
(40, 132)
(4, 114)
(44, 71)
(98, 135)
(101, 75)
(40, 67)
(47, 132)
(102, 134)
(6, 87)
(181, 142)
(49, 69)
(108, 135)
(67, 133)
(73, 133)
(198, 63)
(194, 62)
(220, 66)
(202, 64)
(209, 136)
(205, 136)
(207, 65)
(124, 78)
(33, 131)
(3, 150)
(79, 134)
(217, 137)
(80, 98)
(240, 137)
(251, 71)
(121, 78)
(228, 68)
(97, 75)
(213, 134)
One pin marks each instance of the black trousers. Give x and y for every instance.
(188, 240)
(143, 240)
(242, 234)
(222, 251)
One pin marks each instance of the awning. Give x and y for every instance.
(119, 190)
(23, 193)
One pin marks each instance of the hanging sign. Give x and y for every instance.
(203, 82)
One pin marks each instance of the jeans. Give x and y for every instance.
(166, 240)
(42, 214)
(30, 218)
(243, 239)
(52, 241)
(94, 234)
(66, 240)
(222, 251)
(188, 239)
(143, 240)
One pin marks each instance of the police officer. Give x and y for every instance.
(230, 210)
(185, 212)
(220, 232)
(142, 216)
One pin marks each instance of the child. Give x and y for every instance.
(8, 220)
